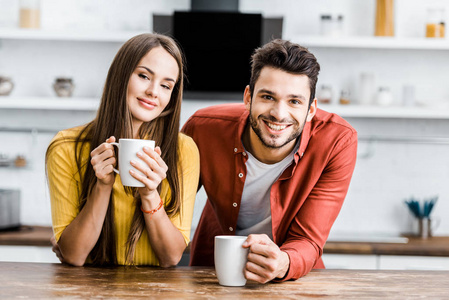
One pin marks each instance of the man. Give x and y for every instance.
(275, 168)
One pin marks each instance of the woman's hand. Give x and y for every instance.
(154, 170)
(103, 161)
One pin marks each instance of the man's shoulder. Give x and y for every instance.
(229, 111)
(326, 119)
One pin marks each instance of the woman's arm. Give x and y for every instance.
(81, 234)
(166, 240)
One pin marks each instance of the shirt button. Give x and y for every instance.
(240, 175)
(244, 153)
(235, 149)
(231, 229)
(234, 204)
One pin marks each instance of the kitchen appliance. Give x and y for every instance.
(9, 209)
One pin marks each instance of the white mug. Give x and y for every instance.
(128, 149)
(230, 259)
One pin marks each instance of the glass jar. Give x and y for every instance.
(325, 94)
(344, 97)
(30, 13)
(384, 96)
(435, 23)
(326, 25)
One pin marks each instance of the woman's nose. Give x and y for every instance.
(152, 90)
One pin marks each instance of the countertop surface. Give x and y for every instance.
(45, 281)
(434, 246)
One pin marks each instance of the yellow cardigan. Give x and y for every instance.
(65, 188)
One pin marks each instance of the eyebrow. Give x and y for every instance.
(265, 91)
(152, 73)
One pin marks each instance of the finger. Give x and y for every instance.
(102, 148)
(255, 277)
(105, 169)
(151, 162)
(257, 239)
(156, 156)
(100, 161)
(158, 150)
(150, 183)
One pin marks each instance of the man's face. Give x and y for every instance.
(279, 107)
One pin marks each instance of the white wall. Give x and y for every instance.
(381, 182)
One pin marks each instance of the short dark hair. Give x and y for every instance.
(288, 57)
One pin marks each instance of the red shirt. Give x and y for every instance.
(305, 200)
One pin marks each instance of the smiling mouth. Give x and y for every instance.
(275, 127)
(147, 103)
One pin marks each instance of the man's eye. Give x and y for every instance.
(295, 102)
(268, 97)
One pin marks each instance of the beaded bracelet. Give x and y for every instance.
(151, 212)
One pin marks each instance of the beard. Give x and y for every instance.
(274, 141)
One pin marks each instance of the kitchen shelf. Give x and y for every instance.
(346, 111)
(372, 42)
(50, 103)
(392, 112)
(68, 35)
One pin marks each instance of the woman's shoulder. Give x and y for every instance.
(187, 146)
(69, 134)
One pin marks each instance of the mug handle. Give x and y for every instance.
(118, 146)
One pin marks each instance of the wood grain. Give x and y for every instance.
(34, 280)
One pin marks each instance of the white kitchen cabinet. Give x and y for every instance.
(392, 262)
(385, 262)
(353, 261)
(27, 254)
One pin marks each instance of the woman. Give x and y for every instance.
(97, 220)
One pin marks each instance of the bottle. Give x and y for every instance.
(30, 13)
(384, 18)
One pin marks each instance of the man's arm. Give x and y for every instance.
(310, 228)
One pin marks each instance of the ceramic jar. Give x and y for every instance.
(63, 87)
(6, 86)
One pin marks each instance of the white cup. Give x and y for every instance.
(230, 260)
(128, 149)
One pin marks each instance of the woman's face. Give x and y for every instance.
(150, 86)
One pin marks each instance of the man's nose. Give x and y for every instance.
(279, 110)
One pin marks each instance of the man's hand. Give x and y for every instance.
(265, 260)
(56, 250)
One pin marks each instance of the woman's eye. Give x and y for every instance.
(166, 87)
(143, 76)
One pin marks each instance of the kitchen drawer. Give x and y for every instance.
(393, 262)
(27, 254)
(350, 261)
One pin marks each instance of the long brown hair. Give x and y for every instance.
(114, 119)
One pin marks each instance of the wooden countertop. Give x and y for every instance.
(434, 246)
(46, 281)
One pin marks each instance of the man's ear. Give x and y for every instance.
(247, 98)
(312, 110)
